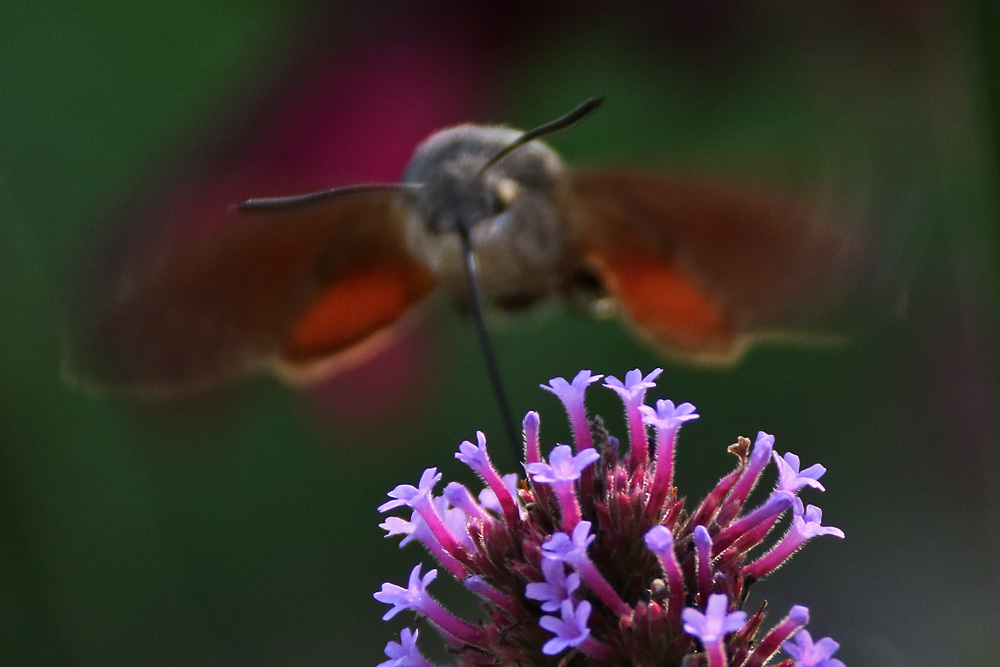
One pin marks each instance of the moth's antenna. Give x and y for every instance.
(560, 123)
(295, 201)
(484, 342)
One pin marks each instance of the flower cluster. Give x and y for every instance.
(594, 559)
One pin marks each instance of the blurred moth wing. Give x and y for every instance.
(289, 290)
(703, 270)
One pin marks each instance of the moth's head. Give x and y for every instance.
(462, 185)
(491, 201)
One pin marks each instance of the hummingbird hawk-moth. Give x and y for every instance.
(297, 284)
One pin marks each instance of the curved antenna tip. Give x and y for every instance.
(560, 123)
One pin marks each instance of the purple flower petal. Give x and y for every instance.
(668, 416)
(570, 629)
(809, 654)
(405, 598)
(715, 623)
(563, 465)
(561, 546)
(791, 479)
(659, 539)
(474, 456)
(633, 389)
(557, 587)
(395, 525)
(805, 526)
(808, 524)
(571, 395)
(571, 392)
(407, 494)
(405, 652)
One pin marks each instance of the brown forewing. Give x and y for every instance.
(289, 288)
(701, 269)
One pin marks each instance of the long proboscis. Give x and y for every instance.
(295, 201)
(551, 127)
(486, 344)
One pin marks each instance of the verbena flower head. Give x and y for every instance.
(596, 559)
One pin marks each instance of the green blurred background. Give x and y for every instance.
(241, 528)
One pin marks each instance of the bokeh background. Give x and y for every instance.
(239, 527)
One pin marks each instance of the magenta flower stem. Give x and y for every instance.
(663, 477)
(453, 564)
(484, 590)
(602, 589)
(660, 541)
(773, 506)
(583, 440)
(773, 559)
(716, 653)
(708, 508)
(752, 537)
(461, 632)
(510, 511)
(637, 436)
(797, 618)
(581, 430)
(760, 456)
(569, 504)
(675, 586)
(440, 531)
(596, 649)
(572, 396)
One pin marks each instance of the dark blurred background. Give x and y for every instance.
(239, 528)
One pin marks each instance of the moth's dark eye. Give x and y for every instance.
(502, 196)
